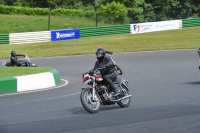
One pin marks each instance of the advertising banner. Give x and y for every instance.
(154, 26)
(68, 34)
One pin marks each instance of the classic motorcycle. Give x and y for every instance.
(26, 62)
(97, 93)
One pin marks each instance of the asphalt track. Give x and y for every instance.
(166, 98)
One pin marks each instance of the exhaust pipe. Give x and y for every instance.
(125, 97)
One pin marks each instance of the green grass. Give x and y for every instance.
(164, 40)
(26, 23)
(19, 71)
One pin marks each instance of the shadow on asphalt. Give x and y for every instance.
(192, 83)
(81, 110)
(78, 110)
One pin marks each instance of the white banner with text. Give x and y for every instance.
(155, 26)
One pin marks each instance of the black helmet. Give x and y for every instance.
(100, 53)
(13, 53)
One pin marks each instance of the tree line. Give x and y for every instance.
(156, 5)
(118, 11)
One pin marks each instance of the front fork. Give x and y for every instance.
(93, 92)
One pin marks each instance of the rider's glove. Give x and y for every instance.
(106, 65)
(91, 72)
(86, 73)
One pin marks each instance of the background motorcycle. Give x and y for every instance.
(26, 62)
(97, 93)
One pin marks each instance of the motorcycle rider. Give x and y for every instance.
(107, 72)
(13, 58)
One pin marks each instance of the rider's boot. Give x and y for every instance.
(117, 92)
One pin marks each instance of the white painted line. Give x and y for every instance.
(45, 99)
(57, 97)
(35, 112)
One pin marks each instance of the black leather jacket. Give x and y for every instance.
(13, 59)
(106, 62)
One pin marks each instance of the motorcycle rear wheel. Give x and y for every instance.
(86, 100)
(126, 102)
(34, 66)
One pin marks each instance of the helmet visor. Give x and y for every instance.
(13, 53)
(99, 55)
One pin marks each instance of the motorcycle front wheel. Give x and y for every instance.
(92, 105)
(118, 71)
(33, 65)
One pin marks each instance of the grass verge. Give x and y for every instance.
(26, 23)
(19, 71)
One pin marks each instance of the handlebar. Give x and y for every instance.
(92, 72)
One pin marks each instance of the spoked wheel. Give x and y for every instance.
(33, 65)
(23, 65)
(90, 104)
(118, 71)
(125, 102)
(3, 63)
